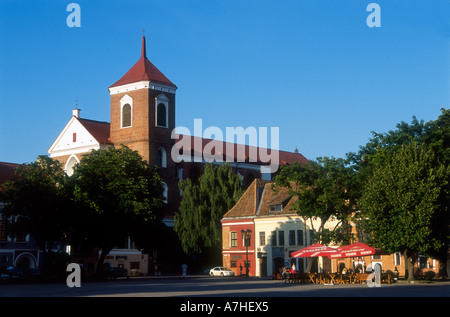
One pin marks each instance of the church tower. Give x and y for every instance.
(143, 111)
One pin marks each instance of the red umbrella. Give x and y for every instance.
(314, 250)
(354, 250)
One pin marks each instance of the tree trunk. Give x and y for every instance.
(311, 262)
(101, 261)
(409, 265)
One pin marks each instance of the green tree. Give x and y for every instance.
(203, 205)
(401, 198)
(435, 134)
(118, 194)
(37, 204)
(326, 190)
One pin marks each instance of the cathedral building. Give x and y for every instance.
(142, 117)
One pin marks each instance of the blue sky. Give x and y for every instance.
(313, 68)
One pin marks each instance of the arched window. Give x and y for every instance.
(162, 111)
(165, 192)
(70, 165)
(126, 115)
(161, 159)
(161, 115)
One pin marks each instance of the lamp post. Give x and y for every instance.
(246, 236)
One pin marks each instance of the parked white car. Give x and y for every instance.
(221, 271)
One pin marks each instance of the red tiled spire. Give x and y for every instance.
(143, 70)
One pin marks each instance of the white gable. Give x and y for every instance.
(73, 139)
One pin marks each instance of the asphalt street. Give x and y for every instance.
(205, 286)
(213, 296)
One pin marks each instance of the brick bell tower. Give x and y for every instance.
(143, 117)
(143, 111)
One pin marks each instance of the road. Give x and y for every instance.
(205, 286)
(212, 296)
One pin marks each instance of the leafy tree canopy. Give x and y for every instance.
(326, 190)
(203, 205)
(401, 199)
(37, 203)
(117, 193)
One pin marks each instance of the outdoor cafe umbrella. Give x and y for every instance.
(354, 250)
(314, 250)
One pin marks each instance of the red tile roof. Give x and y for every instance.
(242, 152)
(99, 130)
(143, 70)
(247, 205)
(258, 198)
(7, 171)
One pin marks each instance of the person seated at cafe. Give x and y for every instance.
(293, 270)
(284, 273)
(344, 271)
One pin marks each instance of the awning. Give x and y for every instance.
(355, 250)
(314, 250)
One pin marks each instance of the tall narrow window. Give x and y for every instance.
(161, 160)
(165, 192)
(162, 115)
(233, 239)
(280, 238)
(126, 116)
(291, 237)
(162, 111)
(262, 238)
(74, 137)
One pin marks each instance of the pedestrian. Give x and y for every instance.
(184, 269)
(240, 269)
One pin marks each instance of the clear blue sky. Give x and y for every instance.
(313, 68)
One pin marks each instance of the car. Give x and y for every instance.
(221, 271)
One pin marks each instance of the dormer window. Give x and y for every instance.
(162, 111)
(277, 207)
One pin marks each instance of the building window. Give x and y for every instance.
(70, 165)
(161, 159)
(275, 208)
(423, 262)
(246, 240)
(165, 192)
(281, 238)
(74, 137)
(126, 111)
(300, 237)
(162, 111)
(291, 237)
(311, 236)
(262, 238)
(134, 265)
(273, 238)
(126, 116)
(233, 239)
(397, 258)
(162, 115)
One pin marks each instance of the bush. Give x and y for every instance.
(429, 275)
